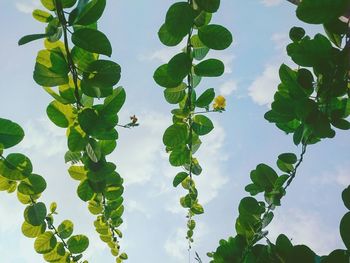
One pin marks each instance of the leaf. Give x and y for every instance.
(345, 230)
(175, 135)
(60, 114)
(82, 58)
(10, 133)
(321, 11)
(35, 214)
(91, 12)
(42, 16)
(85, 191)
(78, 244)
(51, 69)
(175, 95)
(199, 49)
(29, 38)
(302, 253)
(77, 139)
(65, 229)
(179, 178)
(45, 243)
(49, 4)
(113, 103)
(77, 172)
(57, 254)
(289, 158)
(32, 231)
(162, 78)
(210, 68)
(264, 176)
(215, 36)
(179, 66)
(166, 38)
(346, 197)
(92, 40)
(179, 157)
(210, 6)
(197, 209)
(249, 206)
(32, 185)
(16, 166)
(102, 74)
(202, 125)
(206, 98)
(179, 19)
(296, 33)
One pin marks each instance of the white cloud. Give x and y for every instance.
(228, 87)
(305, 228)
(43, 137)
(280, 40)
(339, 176)
(271, 2)
(264, 86)
(27, 6)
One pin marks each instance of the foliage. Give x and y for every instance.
(16, 175)
(310, 102)
(75, 77)
(190, 21)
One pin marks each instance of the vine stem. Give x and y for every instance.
(71, 65)
(115, 239)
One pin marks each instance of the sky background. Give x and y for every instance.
(154, 228)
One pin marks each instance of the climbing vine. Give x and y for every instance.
(190, 22)
(310, 102)
(75, 77)
(56, 244)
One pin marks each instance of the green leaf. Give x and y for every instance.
(210, 68)
(32, 231)
(296, 33)
(29, 38)
(49, 4)
(339, 256)
(102, 74)
(68, 3)
(65, 229)
(85, 191)
(264, 176)
(179, 66)
(199, 49)
(162, 78)
(321, 11)
(42, 16)
(179, 157)
(289, 158)
(35, 214)
(197, 209)
(249, 206)
(179, 178)
(10, 133)
(91, 12)
(57, 254)
(45, 243)
(82, 58)
(346, 197)
(34, 184)
(16, 166)
(60, 114)
(206, 98)
(202, 125)
(78, 244)
(77, 172)
(175, 95)
(175, 135)
(179, 19)
(77, 139)
(302, 253)
(215, 36)
(166, 38)
(51, 69)
(114, 102)
(210, 6)
(92, 40)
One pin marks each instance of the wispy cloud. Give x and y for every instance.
(228, 87)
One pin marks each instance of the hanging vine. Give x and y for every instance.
(309, 103)
(180, 78)
(81, 77)
(16, 175)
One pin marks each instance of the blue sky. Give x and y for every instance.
(154, 228)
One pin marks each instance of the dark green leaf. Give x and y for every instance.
(179, 178)
(85, 191)
(289, 158)
(30, 38)
(215, 36)
(210, 68)
(179, 19)
(346, 197)
(10, 133)
(92, 40)
(78, 244)
(162, 78)
(32, 185)
(210, 6)
(202, 125)
(175, 135)
(60, 114)
(91, 12)
(35, 214)
(166, 38)
(179, 66)
(206, 98)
